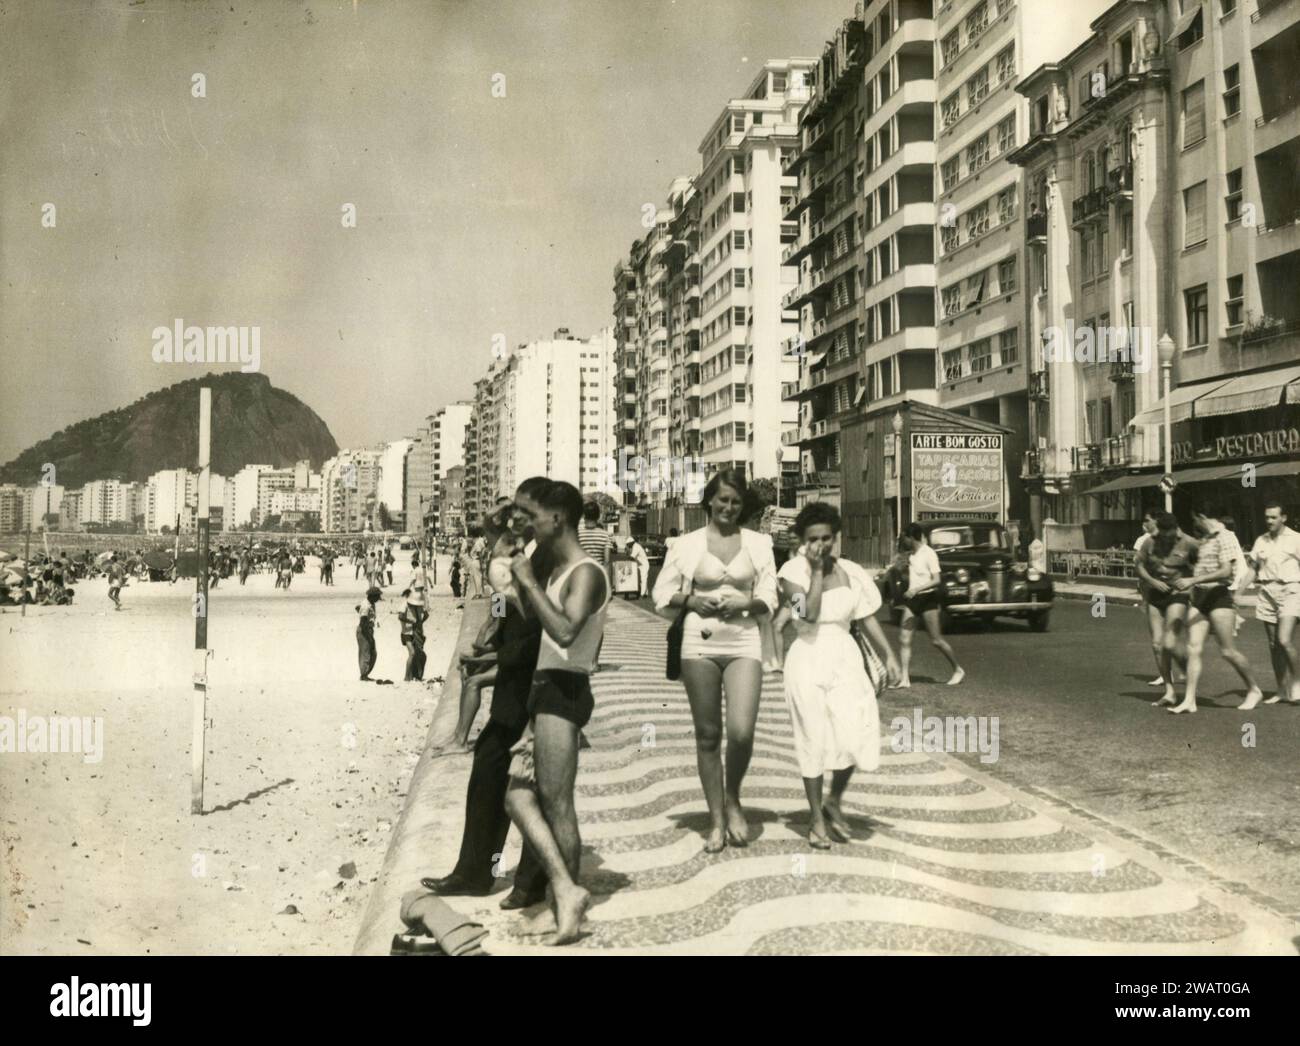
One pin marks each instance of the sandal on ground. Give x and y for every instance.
(818, 842)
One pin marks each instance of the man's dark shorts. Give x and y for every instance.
(564, 694)
(930, 600)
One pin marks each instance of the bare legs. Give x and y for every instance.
(1286, 662)
(1175, 618)
(546, 817)
(829, 810)
(932, 627)
(705, 680)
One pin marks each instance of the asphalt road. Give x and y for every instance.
(1076, 721)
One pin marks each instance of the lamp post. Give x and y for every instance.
(1165, 352)
(898, 476)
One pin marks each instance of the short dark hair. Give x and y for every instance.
(564, 498)
(1166, 521)
(1274, 503)
(914, 531)
(733, 478)
(1210, 510)
(816, 512)
(532, 486)
(591, 512)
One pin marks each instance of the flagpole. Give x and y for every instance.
(199, 706)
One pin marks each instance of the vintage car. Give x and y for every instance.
(981, 579)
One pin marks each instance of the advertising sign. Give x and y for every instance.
(957, 475)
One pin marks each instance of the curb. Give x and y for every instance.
(405, 861)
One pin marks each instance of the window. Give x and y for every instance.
(1227, 7)
(981, 355)
(977, 21)
(1232, 307)
(737, 202)
(1106, 419)
(740, 431)
(1126, 233)
(951, 109)
(977, 221)
(1198, 316)
(1194, 114)
(738, 315)
(1007, 134)
(952, 299)
(738, 240)
(950, 172)
(1232, 201)
(975, 290)
(951, 47)
(1090, 422)
(1006, 63)
(952, 365)
(977, 154)
(949, 235)
(1194, 31)
(1194, 215)
(738, 394)
(1007, 275)
(1008, 346)
(1086, 254)
(1232, 90)
(737, 122)
(738, 277)
(1006, 205)
(977, 88)
(778, 83)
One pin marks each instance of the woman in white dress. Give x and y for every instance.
(832, 702)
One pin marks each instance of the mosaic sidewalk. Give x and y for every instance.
(944, 860)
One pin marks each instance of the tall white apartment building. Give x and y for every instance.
(167, 494)
(268, 482)
(744, 320)
(391, 491)
(556, 411)
(984, 47)
(108, 501)
(241, 506)
(349, 484)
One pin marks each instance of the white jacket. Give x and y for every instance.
(684, 557)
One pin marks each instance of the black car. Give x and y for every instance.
(981, 578)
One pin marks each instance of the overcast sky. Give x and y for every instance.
(475, 214)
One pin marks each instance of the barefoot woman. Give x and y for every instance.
(726, 577)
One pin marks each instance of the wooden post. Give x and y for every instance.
(27, 566)
(199, 707)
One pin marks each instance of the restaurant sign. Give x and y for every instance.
(1239, 445)
(957, 474)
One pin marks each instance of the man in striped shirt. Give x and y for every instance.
(593, 537)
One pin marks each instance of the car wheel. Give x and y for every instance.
(1040, 621)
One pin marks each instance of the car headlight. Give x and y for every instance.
(961, 576)
(1035, 575)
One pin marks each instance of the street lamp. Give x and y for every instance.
(1165, 352)
(898, 476)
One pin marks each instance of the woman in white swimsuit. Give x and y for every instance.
(726, 577)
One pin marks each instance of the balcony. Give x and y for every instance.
(1121, 370)
(1036, 228)
(820, 478)
(1118, 451)
(1119, 182)
(1039, 386)
(790, 438)
(1267, 328)
(1279, 237)
(817, 429)
(1277, 129)
(1086, 458)
(1089, 207)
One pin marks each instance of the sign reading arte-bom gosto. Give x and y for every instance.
(957, 475)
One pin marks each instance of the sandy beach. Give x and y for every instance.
(307, 768)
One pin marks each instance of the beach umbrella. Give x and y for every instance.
(103, 557)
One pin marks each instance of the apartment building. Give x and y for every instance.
(170, 495)
(744, 316)
(349, 485)
(1161, 178)
(983, 47)
(451, 503)
(417, 492)
(105, 501)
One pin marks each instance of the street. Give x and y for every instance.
(1084, 837)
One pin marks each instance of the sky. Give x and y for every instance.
(475, 215)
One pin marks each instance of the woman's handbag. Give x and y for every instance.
(673, 665)
(875, 667)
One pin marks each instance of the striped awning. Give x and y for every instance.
(1251, 392)
(1180, 403)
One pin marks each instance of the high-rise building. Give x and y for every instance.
(984, 46)
(11, 508)
(451, 505)
(744, 319)
(1160, 170)
(107, 501)
(349, 487)
(170, 495)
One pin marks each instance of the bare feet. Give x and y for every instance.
(1158, 681)
(737, 826)
(1253, 697)
(1169, 698)
(1184, 707)
(570, 906)
(957, 677)
(717, 839)
(838, 826)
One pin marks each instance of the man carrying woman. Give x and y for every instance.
(725, 578)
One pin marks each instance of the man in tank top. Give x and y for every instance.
(571, 610)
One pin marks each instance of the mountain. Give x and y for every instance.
(252, 423)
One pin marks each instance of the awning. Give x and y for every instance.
(1279, 468)
(1180, 26)
(1251, 392)
(1181, 477)
(1180, 403)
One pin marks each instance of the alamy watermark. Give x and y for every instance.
(181, 344)
(922, 733)
(654, 475)
(66, 735)
(1093, 344)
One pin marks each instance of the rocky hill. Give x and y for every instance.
(252, 422)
